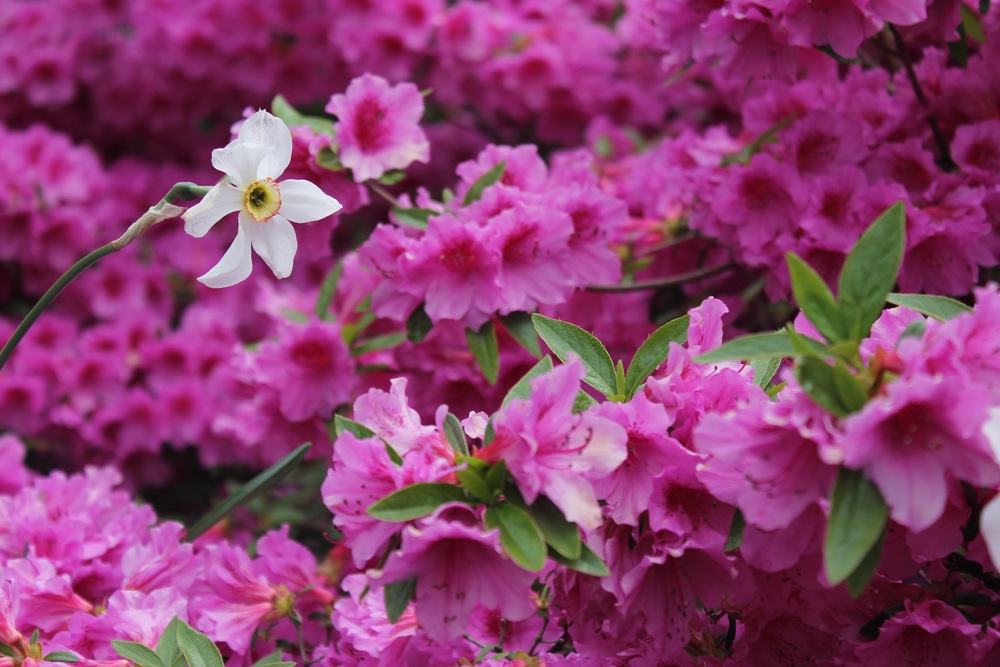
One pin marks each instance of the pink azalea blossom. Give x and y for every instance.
(378, 126)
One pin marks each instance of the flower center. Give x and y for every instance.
(262, 200)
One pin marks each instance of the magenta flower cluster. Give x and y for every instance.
(470, 176)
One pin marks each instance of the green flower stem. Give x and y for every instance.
(163, 210)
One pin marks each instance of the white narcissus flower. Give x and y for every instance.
(259, 155)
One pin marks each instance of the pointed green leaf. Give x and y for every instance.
(736, 528)
(418, 325)
(357, 429)
(754, 346)
(520, 536)
(870, 271)
(166, 646)
(653, 352)
(138, 653)
(522, 388)
(415, 501)
(588, 562)
(327, 159)
(397, 597)
(274, 660)
(518, 325)
(560, 534)
(392, 177)
(496, 478)
(859, 579)
(833, 388)
(858, 515)
(292, 117)
(6, 650)
(583, 402)
(486, 180)
(620, 380)
(764, 370)
(455, 434)
(67, 656)
(250, 490)
(973, 26)
(327, 290)
(565, 339)
(914, 329)
(412, 217)
(199, 650)
(376, 343)
(483, 345)
(815, 299)
(473, 482)
(939, 307)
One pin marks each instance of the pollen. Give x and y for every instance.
(262, 200)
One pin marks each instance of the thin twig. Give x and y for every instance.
(382, 192)
(945, 161)
(671, 281)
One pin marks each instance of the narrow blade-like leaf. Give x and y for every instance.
(939, 307)
(815, 299)
(455, 434)
(483, 345)
(588, 562)
(486, 180)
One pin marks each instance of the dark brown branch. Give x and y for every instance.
(670, 281)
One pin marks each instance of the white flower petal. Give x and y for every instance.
(989, 528)
(303, 201)
(239, 161)
(275, 242)
(263, 129)
(219, 202)
(235, 265)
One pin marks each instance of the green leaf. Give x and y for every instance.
(392, 177)
(286, 112)
(858, 579)
(939, 307)
(496, 477)
(412, 217)
(736, 528)
(418, 325)
(486, 180)
(357, 429)
(6, 650)
(870, 271)
(583, 402)
(754, 346)
(327, 159)
(588, 562)
(327, 290)
(415, 501)
(520, 536)
(483, 345)
(619, 381)
(397, 597)
(560, 534)
(984, 7)
(167, 648)
(770, 136)
(518, 325)
(858, 515)
(273, 660)
(250, 490)
(473, 482)
(376, 343)
(764, 370)
(565, 339)
(522, 388)
(138, 653)
(815, 299)
(653, 352)
(959, 48)
(774, 390)
(455, 434)
(199, 650)
(67, 656)
(914, 329)
(833, 388)
(973, 26)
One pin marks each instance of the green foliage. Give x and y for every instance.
(486, 180)
(248, 492)
(518, 325)
(198, 649)
(653, 352)
(286, 112)
(455, 434)
(520, 535)
(565, 340)
(858, 517)
(562, 535)
(815, 299)
(140, 654)
(64, 656)
(418, 325)
(397, 596)
(483, 345)
(736, 527)
(588, 562)
(832, 387)
(413, 217)
(939, 307)
(522, 388)
(415, 501)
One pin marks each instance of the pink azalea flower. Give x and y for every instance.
(916, 434)
(458, 566)
(378, 126)
(548, 448)
(253, 162)
(923, 634)
(533, 242)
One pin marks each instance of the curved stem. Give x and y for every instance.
(49, 296)
(382, 192)
(671, 281)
